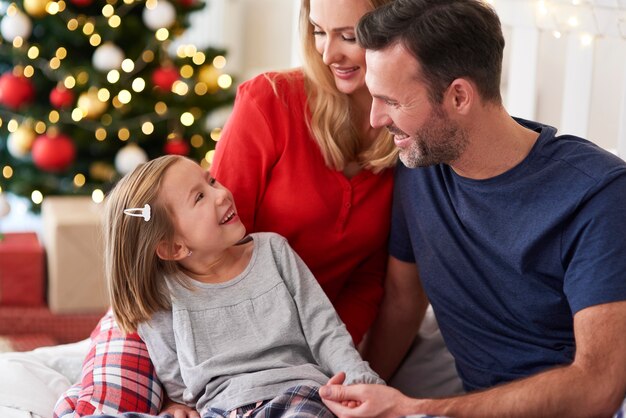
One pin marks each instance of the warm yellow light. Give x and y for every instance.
(201, 89)
(224, 81)
(55, 63)
(108, 10)
(180, 87)
(216, 134)
(115, 21)
(196, 141)
(36, 196)
(162, 34)
(104, 95)
(219, 62)
(18, 42)
(190, 50)
(125, 96)
(40, 127)
(209, 156)
(12, 125)
(113, 76)
(78, 114)
(33, 52)
(7, 172)
(69, 82)
(101, 134)
(29, 71)
(138, 84)
(79, 180)
(199, 58)
(53, 116)
(186, 71)
(123, 134)
(147, 128)
(82, 77)
(61, 53)
(95, 40)
(151, 4)
(187, 119)
(572, 21)
(147, 56)
(72, 24)
(88, 28)
(128, 65)
(53, 8)
(160, 108)
(97, 196)
(106, 119)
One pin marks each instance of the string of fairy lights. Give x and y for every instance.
(90, 111)
(587, 19)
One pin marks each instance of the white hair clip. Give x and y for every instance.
(139, 212)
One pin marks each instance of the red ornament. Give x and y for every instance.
(165, 77)
(186, 3)
(15, 91)
(177, 146)
(60, 97)
(81, 3)
(53, 153)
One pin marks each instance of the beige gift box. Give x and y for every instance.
(73, 240)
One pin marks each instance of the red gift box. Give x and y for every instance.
(22, 274)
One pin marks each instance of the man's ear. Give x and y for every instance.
(460, 96)
(166, 251)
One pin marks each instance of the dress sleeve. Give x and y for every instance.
(158, 334)
(327, 337)
(246, 152)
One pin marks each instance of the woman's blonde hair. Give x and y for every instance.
(134, 272)
(332, 119)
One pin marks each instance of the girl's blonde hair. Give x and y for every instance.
(134, 272)
(332, 116)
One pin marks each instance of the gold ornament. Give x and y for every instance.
(208, 75)
(20, 142)
(91, 105)
(35, 8)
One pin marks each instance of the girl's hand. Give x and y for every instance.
(178, 410)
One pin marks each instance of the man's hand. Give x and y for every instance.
(361, 400)
(178, 410)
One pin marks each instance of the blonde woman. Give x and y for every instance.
(299, 153)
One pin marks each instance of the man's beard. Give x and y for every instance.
(440, 141)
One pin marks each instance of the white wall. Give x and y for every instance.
(588, 99)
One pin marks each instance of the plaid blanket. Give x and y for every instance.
(117, 376)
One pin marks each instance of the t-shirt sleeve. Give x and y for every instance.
(400, 239)
(594, 248)
(326, 335)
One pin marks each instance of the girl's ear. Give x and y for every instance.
(169, 252)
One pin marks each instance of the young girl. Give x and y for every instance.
(235, 325)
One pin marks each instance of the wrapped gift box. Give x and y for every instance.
(73, 241)
(22, 270)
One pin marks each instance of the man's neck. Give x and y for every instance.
(497, 143)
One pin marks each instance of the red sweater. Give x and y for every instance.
(339, 226)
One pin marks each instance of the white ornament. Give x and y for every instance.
(129, 157)
(218, 117)
(107, 57)
(162, 15)
(16, 25)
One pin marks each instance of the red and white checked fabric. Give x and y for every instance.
(117, 376)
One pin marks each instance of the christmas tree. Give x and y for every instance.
(89, 89)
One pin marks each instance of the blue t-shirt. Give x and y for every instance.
(507, 261)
